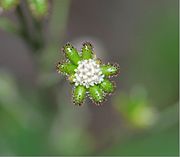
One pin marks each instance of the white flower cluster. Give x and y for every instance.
(88, 73)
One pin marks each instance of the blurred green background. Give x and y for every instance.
(37, 116)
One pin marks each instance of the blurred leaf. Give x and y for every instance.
(162, 144)
(22, 129)
(74, 141)
(8, 4)
(155, 63)
(69, 135)
(167, 118)
(136, 108)
(161, 139)
(12, 101)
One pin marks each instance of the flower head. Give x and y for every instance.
(87, 74)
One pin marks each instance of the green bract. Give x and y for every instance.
(87, 74)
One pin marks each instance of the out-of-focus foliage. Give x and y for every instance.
(136, 108)
(71, 137)
(8, 26)
(151, 145)
(158, 42)
(39, 8)
(8, 4)
(21, 120)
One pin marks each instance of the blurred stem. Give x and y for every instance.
(36, 42)
(24, 27)
(34, 39)
(58, 21)
(39, 32)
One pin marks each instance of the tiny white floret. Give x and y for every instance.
(88, 73)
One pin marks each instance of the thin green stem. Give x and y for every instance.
(36, 41)
(24, 27)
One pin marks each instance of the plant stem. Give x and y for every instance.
(36, 42)
(24, 27)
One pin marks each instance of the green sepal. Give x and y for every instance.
(66, 67)
(96, 94)
(87, 51)
(39, 8)
(107, 86)
(110, 70)
(8, 4)
(79, 94)
(71, 53)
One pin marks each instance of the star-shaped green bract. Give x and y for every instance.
(97, 92)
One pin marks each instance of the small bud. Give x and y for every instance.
(8, 4)
(39, 8)
(136, 108)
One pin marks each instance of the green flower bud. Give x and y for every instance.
(8, 4)
(39, 8)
